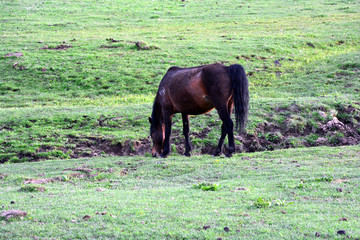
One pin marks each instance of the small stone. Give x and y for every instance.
(317, 234)
(277, 63)
(12, 202)
(226, 229)
(341, 232)
(206, 227)
(322, 114)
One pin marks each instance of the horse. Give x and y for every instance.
(198, 90)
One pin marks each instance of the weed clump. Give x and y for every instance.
(144, 46)
(206, 186)
(265, 203)
(262, 203)
(32, 188)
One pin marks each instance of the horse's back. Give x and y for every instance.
(182, 90)
(208, 73)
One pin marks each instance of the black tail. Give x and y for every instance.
(240, 95)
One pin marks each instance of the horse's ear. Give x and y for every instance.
(150, 120)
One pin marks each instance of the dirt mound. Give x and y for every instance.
(91, 147)
(80, 147)
(295, 130)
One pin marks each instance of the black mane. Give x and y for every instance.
(156, 116)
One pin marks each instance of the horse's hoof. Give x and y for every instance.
(187, 154)
(229, 155)
(216, 154)
(163, 156)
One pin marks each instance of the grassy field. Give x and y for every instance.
(78, 89)
(82, 81)
(284, 194)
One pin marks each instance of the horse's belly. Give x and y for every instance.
(195, 105)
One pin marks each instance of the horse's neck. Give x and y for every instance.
(157, 113)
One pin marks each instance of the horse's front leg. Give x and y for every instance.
(166, 147)
(186, 130)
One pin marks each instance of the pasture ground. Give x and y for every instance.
(76, 88)
(284, 194)
(82, 82)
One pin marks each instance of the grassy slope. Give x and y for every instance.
(310, 190)
(315, 43)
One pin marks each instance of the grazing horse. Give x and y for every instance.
(198, 90)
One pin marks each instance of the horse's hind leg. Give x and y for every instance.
(229, 130)
(221, 141)
(186, 130)
(226, 130)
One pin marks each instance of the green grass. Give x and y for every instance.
(273, 195)
(74, 106)
(187, 36)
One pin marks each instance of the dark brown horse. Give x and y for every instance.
(197, 90)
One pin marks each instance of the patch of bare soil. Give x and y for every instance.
(59, 47)
(91, 147)
(12, 213)
(39, 181)
(16, 54)
(110, 46)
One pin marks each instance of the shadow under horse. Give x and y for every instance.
(198, 90)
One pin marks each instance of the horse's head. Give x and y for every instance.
(157, 133)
